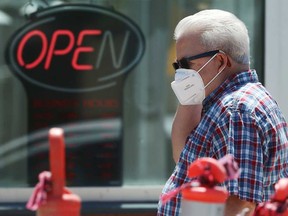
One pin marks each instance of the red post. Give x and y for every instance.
(278, 203)
(57, 160)
(205, 198)
(60, 201)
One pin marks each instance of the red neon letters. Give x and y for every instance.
(51, 51)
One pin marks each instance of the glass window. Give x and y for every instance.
(108, 141)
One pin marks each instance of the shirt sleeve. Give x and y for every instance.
(238, 134)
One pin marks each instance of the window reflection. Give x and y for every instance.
(148, 103)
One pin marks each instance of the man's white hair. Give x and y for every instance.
(218, 29)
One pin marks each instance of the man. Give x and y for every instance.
(224, 110)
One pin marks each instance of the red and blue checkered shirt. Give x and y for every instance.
(240, 118)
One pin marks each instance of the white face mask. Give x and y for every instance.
(188, 85)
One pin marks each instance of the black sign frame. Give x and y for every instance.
(64, 102)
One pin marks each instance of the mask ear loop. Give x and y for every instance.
(207, 62)
(216, 74)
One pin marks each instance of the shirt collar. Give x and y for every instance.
(232, 81)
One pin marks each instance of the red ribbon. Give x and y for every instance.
(40, 193)
(232, 172)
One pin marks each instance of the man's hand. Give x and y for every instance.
(186, 119)
(235, 206)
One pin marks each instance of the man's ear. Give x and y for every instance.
(224, 60)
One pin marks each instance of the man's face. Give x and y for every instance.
(190, 46)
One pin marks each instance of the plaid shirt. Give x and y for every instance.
(239, 118)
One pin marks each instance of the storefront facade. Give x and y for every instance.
(102, 71)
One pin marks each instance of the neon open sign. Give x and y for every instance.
(75, 48)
